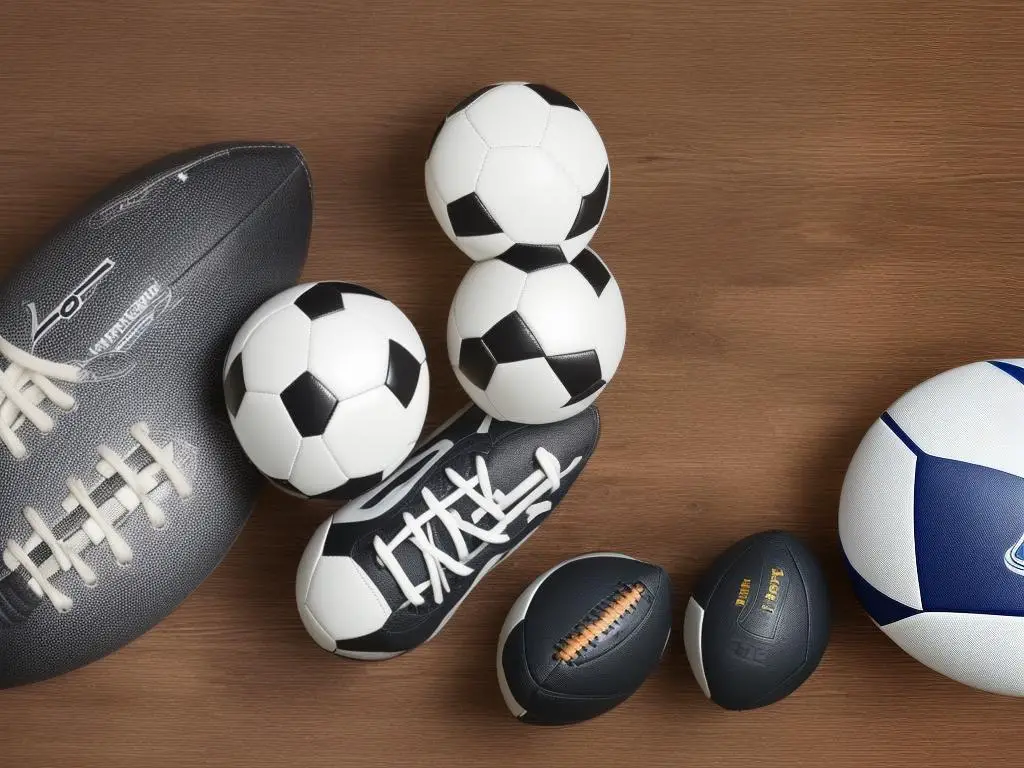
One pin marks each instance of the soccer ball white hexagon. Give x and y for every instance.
(517, 163)
(534, 338)
(326, 387)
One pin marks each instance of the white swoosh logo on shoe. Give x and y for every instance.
(354, 511)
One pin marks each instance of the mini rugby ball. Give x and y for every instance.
(583, 638)
(758, 622)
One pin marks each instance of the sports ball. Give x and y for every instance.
(931, 521)
(583, 638)
(757, 624)
(536, 340)
(326, 386)
(386, 572)
(514, 167)
(122, 485)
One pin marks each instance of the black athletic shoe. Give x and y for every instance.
(386, 572)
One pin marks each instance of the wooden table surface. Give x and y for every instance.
(816, 204)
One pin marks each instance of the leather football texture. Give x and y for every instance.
(122, 484)
(583, 637)
(757, 623)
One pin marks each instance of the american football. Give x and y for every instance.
(757, 624)
(583, 638)
(123, 485)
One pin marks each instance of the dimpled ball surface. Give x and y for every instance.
(141, 292)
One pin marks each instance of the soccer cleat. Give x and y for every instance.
(386, 572)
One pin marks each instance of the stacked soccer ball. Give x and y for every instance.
(327, 384)
(518, 178)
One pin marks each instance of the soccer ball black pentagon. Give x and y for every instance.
(534, 338)
(517, 163)
(326, 387)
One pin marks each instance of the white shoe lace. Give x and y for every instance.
(501, 507)
(138, 486)
(23, 386)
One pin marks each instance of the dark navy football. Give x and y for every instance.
(583, 638)
(123, 486)
(758, 622)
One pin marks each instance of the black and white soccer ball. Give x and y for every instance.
(517, 163)
(534, 338)
(326, 387)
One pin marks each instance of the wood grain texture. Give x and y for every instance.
(815, 205)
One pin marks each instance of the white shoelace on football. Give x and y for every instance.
(27, 382)
(502, 508)
(65, 553)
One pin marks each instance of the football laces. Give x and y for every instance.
(24, 385)
(501, 509)
(99, 525)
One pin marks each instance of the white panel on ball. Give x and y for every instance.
(277, 351)
(349, 614)
(315, 471)
(365, 362)
(316, 631)
(562, 310)
(574, 245)
(453, 339)
(976, 649)
(385, 318)
(457, 157)
(412, 427)
(310, 558)
(478, 396)
(262, 314)
(370, 431)
(573, 141)
(437, 202)
(267, 434)
(610, 330)
(876, 515)
(529, 392)
(488, 292)
(510, 115)
(508, 185)
(974, 414)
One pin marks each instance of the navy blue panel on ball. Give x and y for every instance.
(968, 521)
(880, 607)
(1013, 370)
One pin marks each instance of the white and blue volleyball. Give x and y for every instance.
(931, 522)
